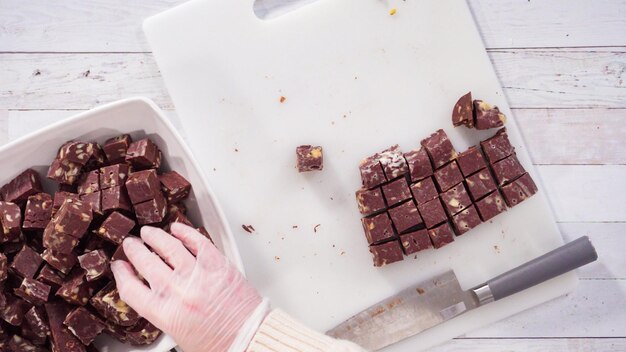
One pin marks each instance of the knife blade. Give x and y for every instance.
(441, 298)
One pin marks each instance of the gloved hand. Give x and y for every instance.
(198, 297)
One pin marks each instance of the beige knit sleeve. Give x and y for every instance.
(281, 333)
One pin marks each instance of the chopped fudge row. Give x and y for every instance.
(476, 114)
(424, 198)
(57, 291)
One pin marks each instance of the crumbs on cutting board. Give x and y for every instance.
(282, 99)
(248, 228)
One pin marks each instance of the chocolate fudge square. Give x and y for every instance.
(490, 206)
(13, 309)
(519, 190)
(466, 220)
(439, 148)
(95, 202)
(33, 291)
(448, 176)
(76, 290)
(115, 148)
(377, 228)
(372, 173)
(88, 182)
(26, 262)
(497, 147)
(10, 219)
(441, 235)
(114, 175)
(62, 197)
(471, 161)
(21, 187)
(456, 199)
(115, 228)
(50, 277)
(38, 212)
(63, 262)
(309, 158)
(432, 213)
(95, 264)
(487, 116)
(415, 241)
(143, 154)
(151, 211)
(60, 336)
(507, 169)
(109, 304)
(143, 185)
(115, 198)
(57, 241)
(393, 163)
(463, 113)
(386, 253)
(370, 201)
(83, 325)
(174, 186)
(419, 164)
(405, 216)
(424, 190)
(396, 191)
(38, 322)
(480, 184)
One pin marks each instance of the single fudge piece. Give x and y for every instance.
(143, 333)
(115, 198)
(35, 339)
(424, 190)
(143, 186)
(38, 322)
(416, 241)
(309, 158)
(471, 161)
(113, 175)
(143, 154)
(466, 220)
(78, 152)
(456, 199)
(174, 186)
(58, 242)
(13, 310)
(63, 262)
(84, 325)
(487, 116)
(60, 336)
(370, 201)
(10, 219)
(116, 227)
(490, 206)
(448, 176)
(497, 147)
(152, 211)
(62, 197)
(108, 303)
(88, 182)
(396, 191)
(21, 187)
(177, 217)
(393, 163)
(76, 290)
(518, 190)
(94, 200)
(463, 114)
(115, 148)
(38, 212)
(480, 184)
(419, 164)
(432, 212)
(95, 264)
(64, 171)
(50, 277)
(72, 219)
(4, 267)
(507, 170)
(377, 228)
(439, 148)
(372, 173)
(405, 216)
(386, 253)
(20, 344)
(441, 235)
(26, 263)
(33, 291)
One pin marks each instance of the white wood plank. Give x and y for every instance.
(533, 345)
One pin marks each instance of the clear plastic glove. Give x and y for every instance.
(195, 295)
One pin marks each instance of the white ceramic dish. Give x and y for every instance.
(140, 117)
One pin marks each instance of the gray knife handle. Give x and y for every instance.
(550, 265)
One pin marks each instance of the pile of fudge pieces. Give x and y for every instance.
(421, 199)
(58, 293)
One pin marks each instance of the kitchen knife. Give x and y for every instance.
(441, 298)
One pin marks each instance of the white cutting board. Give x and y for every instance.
(356, 80)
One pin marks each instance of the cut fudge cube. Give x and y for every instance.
(377, 228)
(14, 245)
(419, 164)
(386, 253)
(490, 206)
(416, 241)
(114, 175)
(62, 197)
(152, 211)
(4, 267)
(64, 171)
(84, 325)
(143, 333)
(393, 163)
(463, 113)
(115, 198)
(439, 148)
(60, 336)
(396, 191)
(63, 262)
(21, 187)
(95, 264)
(58, 242)
(519, 190)
(20, 344)
(480, 184)
(471, 161)
(487, 116)
(78, 152)
(38, 212)
(441, 235)
(108, 303)
(309, 158)
(507, 170)
(26, 262)
(50, 277)
(432, 212)
(456, 199)
(95, 202)
(38, 322)
(29, 335)
(89, 182)
(174, 186)
(370, 201)
(372, 173)
(405, 216)
(116, 227)
(466, 220)
(497, 147)
(424, 190)
(448, 176)
(72, 219)
(178, 217)
(143, 154)
(76, 289)
(13, 310)
(115, 148)
(33, 291)
(142, 186)
(11, 220)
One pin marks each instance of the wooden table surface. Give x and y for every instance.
(563, 67)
